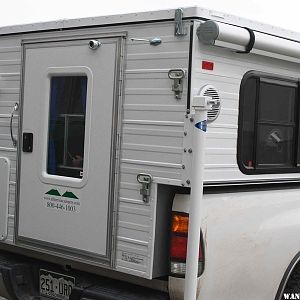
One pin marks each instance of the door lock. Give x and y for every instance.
(27, 142)
(177, 76)
(145, 180)
(94, 44)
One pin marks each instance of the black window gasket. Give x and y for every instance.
(276, 79)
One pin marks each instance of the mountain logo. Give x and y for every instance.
(67, 194)
(53, 192)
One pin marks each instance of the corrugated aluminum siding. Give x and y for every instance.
(151, 137)
(10, 67)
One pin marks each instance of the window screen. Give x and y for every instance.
(268, 124)
(67, 126)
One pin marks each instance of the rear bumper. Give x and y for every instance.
(19, 279)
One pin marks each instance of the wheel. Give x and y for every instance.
(292, 288)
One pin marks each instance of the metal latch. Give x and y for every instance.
(145, 180)
(179, 29)
(177, 75)
(153, 42)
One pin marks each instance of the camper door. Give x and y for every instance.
(67, 148)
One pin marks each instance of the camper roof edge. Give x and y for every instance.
(159, 15)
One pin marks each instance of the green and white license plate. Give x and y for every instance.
(55, 285)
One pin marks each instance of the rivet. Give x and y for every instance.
(188, 181)
(182, 184)
(186, 116)
(192, 119)
(183, 166)
(185, 133)
(187, 111)
(184, 150)
(190, 150)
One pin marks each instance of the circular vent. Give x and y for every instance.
(210, 91)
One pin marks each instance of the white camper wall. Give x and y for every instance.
(229, 69)
(10, 71)
(151, 133)
(152, 138)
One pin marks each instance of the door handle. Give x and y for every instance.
(14, 141)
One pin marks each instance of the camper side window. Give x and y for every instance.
(67, 126)
(268, 124)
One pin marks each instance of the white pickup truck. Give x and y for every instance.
(151, 155)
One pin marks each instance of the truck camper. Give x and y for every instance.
(151, 155)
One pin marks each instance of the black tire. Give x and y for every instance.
(293, 284)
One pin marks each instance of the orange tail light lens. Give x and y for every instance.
(180, 223)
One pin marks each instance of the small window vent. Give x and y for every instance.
(210, 91)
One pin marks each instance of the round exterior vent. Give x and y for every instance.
(210, 91)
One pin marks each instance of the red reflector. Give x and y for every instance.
(207, 65)
(178, 247)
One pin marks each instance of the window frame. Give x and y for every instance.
(66, 120)
(44, 176)
(272, 79)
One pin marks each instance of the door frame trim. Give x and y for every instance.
(65, 252)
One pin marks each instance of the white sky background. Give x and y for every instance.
(279, 13)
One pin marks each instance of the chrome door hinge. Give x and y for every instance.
(145, 180)
(179, 29)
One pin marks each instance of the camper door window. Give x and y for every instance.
(268, 124)
(67, 125)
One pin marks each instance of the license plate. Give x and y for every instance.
(55, 285)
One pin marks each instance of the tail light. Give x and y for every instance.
(178, 245)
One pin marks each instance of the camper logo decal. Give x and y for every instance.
(67, 201)
(67, 194)
(202, 125)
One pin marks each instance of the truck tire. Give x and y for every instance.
(293, 284)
